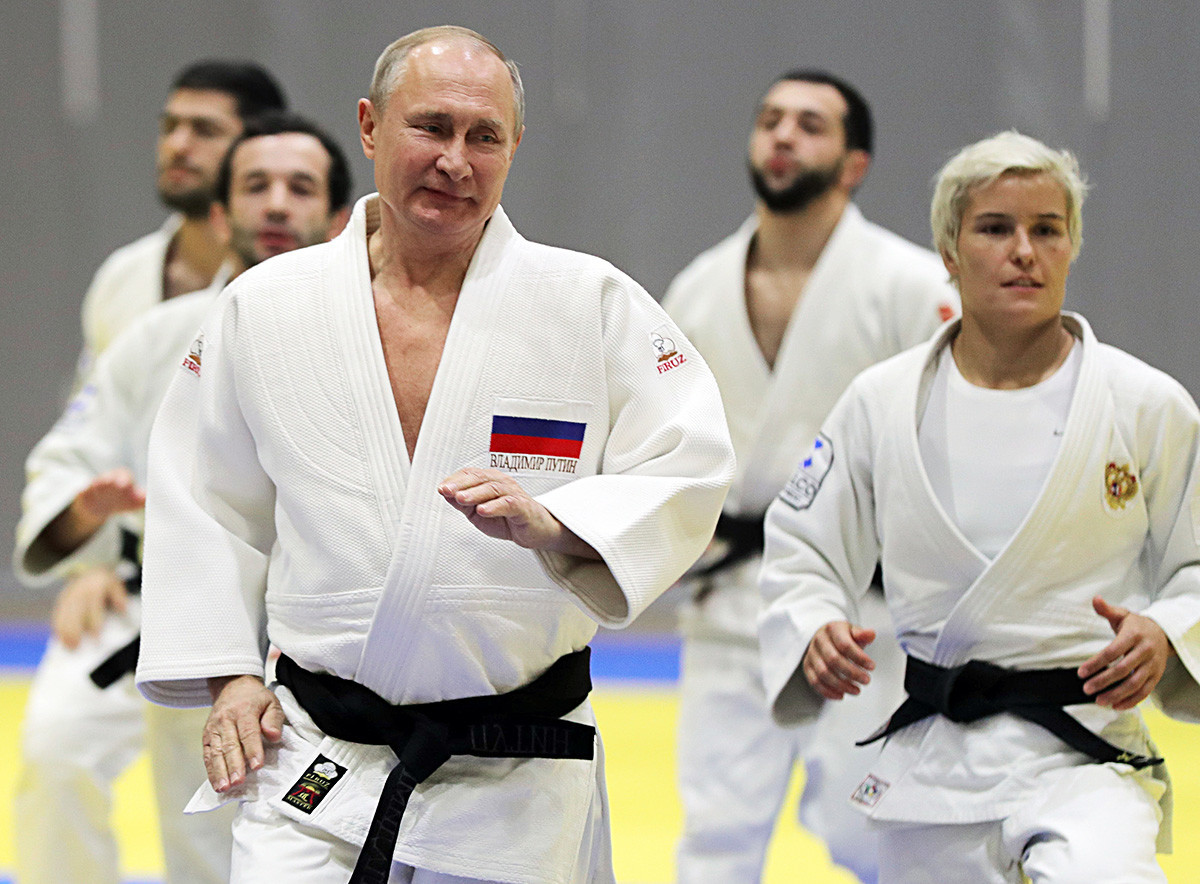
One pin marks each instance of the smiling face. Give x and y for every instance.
(278, 195)
(443, 144)
(1014, 252)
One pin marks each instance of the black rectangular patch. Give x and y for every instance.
(312, 787)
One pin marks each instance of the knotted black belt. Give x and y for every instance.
(978, 689)
(524, 723)
(124, 661)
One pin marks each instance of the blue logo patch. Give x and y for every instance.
(802, 488)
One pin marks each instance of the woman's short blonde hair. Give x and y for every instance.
(979, 164)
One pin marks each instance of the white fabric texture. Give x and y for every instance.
(871, 295)
(987, 452)
(1089, 533)
(105, 425)
(76, 737)
(281, 474)
(1084, 825)
(128, 283)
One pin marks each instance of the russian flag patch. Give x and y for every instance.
(535, 443)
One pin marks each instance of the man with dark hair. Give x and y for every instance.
(205, 110)
(285, 186)
(786, 311)
(254, 90)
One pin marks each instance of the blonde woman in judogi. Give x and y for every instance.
(1031, 494)
(424, 461)
(786, 311)
(85, 721)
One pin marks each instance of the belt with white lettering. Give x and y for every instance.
(523, 723)
(978, 689)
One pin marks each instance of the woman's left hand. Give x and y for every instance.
(1130, 666)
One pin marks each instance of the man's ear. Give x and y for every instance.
(854, 169)
(218, 217)
(368, 119)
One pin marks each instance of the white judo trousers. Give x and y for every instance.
(871, 295)
(1114, 518)
(77, 738)
(279, 470)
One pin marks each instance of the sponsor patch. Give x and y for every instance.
(1120, 485)
(192, 361)
(666, 355)
(535, 444)
(312, 787)
(946, 312)
(801, 489)
(869, 791)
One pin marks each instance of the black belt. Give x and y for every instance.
(123, 661)
(743, 537)
(524, 723)
(978, 689)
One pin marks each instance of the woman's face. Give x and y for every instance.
(1014, 252)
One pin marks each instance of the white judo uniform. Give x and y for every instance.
(128, 283)
(1117, 517)
(76, 738)
(871, 295)
(290, 511)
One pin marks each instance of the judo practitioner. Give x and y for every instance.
(786, 311)
(424, 462)
(206, 107)
(1031, 494)
(284, 185)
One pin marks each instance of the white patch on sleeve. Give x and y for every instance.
(195, 354)
(869, 791)
(667, 355)
(802, 488)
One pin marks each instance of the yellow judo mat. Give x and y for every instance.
(638, 724)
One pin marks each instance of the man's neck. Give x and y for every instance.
(193, 257)
(412, 259)
(795, 240)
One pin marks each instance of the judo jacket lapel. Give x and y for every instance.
(418, 510)
(1014, 572)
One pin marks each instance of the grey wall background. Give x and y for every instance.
(637, 123)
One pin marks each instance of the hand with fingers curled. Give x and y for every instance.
(85, 602)
(1129, 668)
(835, 663)
(496, 504)
(244, 714)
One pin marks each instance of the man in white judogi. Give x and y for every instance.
(423, 461)
(786, 311)
(286, 185)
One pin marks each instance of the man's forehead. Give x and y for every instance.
(200, 103)
(286, 153)
(803, 96)
(449, 69)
